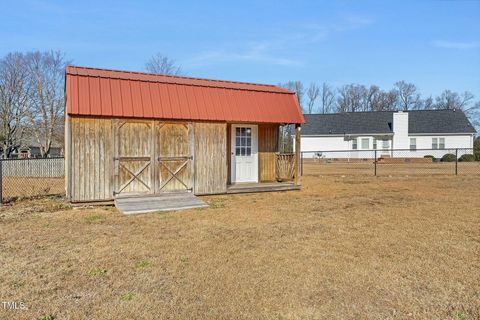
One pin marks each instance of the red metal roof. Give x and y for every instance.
(112, 93)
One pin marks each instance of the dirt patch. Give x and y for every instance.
(341, 248)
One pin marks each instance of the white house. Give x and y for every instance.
(392, 134)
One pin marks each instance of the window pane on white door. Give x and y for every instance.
(243, 141)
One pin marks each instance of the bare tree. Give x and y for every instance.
(14, 92)
(474, 115)
(408, 96)
(343, 100)
(372, 97)
(312, 93)
(46, 110)
(428, 104)
(327, 96)
(351, 98)
(388, 100)
(463, 101)
(160, 63)
(297, 87)
(454, 100)
(383, 100)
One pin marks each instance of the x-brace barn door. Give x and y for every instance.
(174, 157)
(134, 157)
(152, 157)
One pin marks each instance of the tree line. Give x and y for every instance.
(31, 100)
(324, 98)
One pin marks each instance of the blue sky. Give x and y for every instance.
(434, 44)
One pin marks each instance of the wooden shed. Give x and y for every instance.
(133, 134)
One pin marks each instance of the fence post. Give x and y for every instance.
(1, 182)
(456, 161)
(375, 161)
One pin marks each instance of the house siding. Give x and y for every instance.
(311, 144)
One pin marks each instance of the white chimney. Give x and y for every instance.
(400, 130)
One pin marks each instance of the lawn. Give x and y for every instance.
(352, 247)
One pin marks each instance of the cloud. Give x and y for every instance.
(259, 52)
(342, 23)
(353, 21)
(456, 44)
(275, 50)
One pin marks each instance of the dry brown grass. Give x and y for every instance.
(342, 248)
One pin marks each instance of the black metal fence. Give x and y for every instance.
(389, 162)
(27, 178)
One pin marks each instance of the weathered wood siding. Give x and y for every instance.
(210, 158)
(229, 153)
(174, 147)
(134, 157)
(91, 159)
(267, 146)
(94, 175)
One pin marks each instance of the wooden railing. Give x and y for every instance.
(285, 166)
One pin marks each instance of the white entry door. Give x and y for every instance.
(244, 153)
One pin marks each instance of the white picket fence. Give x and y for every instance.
(48, 167)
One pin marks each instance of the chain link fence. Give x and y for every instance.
(27, 178)
(389, 162)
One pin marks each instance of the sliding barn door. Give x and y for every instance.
(152, 157)
(133, 159)
(174, 168)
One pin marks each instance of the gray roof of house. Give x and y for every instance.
(380, 122)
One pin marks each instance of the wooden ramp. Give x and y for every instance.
(161, 202)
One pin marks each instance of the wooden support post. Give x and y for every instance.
(153, 157)
(191, 150)
(297, 155)
(115, 167)
(68, 158)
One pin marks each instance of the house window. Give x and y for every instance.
(375, 143)
(413, 144)
(365, 143)
(354, 144)
(441, 143)
(385, 144)
(434, 143)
